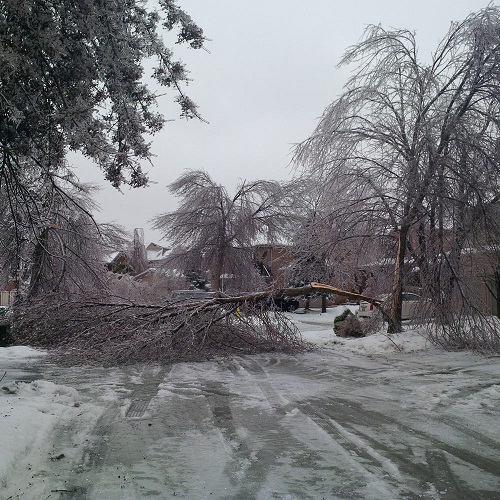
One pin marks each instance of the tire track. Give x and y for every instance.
(342, 420)
(368, 462)
(273, 446)
(113, 434)
(142, 395)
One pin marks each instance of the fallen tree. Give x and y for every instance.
(313, 287)
(111, 330)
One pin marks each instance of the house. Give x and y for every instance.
(482, 275)
(479, 271)
(156, 255)
(273, 262)
(117, 262)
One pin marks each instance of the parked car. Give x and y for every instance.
(286, 304)
(409, 308)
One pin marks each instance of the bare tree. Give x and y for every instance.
(52, 243)
(220, 228)
(138, 260)
(412, 146)
(68, 252)
(328, 246)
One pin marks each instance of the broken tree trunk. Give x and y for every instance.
(313, 287)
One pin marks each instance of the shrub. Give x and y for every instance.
(341, 317)
(349, 327)
(373, 324)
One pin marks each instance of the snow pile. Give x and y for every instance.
(19, 353)
(31, 414)
(30, 411)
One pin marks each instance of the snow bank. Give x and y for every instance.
(31, 415)
(17, 353)
(30, 411)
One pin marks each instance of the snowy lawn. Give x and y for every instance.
(317, 327)
(375, 417)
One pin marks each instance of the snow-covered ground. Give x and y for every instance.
(376, 417)
(317, 327)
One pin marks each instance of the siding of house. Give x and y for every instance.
(274, 260)
(483, 272)
(6, 297)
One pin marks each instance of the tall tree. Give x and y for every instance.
(65, 253)
(412, 144)
(220, 227)
(73, 79)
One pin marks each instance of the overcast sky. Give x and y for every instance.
(270, 73)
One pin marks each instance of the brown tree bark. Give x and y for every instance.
(394, 318)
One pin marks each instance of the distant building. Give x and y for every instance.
(117, 262)
(274, 262)
(156, 255)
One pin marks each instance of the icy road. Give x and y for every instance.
(330, 424)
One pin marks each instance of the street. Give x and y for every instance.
(319, 425)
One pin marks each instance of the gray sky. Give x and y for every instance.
(270, 73)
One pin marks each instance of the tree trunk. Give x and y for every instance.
(39, 261)
(219, 270)
(497, 290)
(394, 318)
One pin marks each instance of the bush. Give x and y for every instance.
(373, 324)
(341, 317)
(350, 326)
